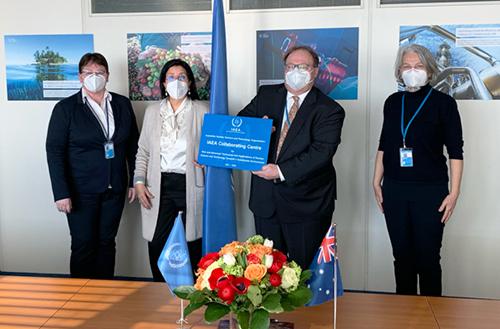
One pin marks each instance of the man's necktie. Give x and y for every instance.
(288, 123)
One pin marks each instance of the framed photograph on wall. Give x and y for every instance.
(148, 52)
(468, 57)
(44, 67)
(337, 49)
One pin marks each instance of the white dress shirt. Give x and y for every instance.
(289, 103)
(99, 111)
(173, 140)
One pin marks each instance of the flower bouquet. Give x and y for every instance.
(249, 279)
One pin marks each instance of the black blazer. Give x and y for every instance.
(75, 148)
(309, 189)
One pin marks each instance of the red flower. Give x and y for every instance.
(275, 279)
(208, 259)
(226, 293)
(278, 256)
(241, 285)
(213, 280)
(278, 260)
(253, 259)
(224, 281)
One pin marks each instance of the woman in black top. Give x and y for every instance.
(411, 174)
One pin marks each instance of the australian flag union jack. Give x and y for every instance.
(322, 268)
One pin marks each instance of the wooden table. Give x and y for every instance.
(60, 303)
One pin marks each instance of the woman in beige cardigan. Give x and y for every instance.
(167, 178)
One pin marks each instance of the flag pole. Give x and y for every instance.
(335, 292)
(335, 258)
(182, 320)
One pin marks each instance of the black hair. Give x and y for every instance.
(193, 92)
(95, 58)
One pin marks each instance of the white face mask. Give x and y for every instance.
(177, 89)
(297, 79)
(414, 78)
(94, 83)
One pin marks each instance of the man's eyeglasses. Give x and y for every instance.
(171, 78)
(87, 73)
(301, 67)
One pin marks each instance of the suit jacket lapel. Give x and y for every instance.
(277, 114)
(116, 115)
(303, 113)
(88, 113)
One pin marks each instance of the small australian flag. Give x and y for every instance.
(322, 268)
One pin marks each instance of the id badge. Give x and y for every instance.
(406, 157)
(109, 150)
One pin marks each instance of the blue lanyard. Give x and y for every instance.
(108, 137)
(287, 118)
(286, 115)
(404, 130)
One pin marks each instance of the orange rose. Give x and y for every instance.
(233, 248)
(199, 282)
(255, 272)
(259, 250)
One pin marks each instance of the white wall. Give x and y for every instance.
(470, 247)
(35, 238)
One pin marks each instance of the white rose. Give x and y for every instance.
(289, 279)
(268, 243)
(207, 274)
(229, 259)
(268, 260)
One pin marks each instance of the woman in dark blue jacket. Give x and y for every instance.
(91, 147)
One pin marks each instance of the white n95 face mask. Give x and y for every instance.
(177, 89)
(414, 78)
(94, 83)
(297, 79)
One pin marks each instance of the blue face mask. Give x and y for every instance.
(297, 79)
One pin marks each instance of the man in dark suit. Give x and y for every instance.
(91, 147)
(293, 196)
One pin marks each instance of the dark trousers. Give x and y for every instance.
(415, 229)
(299, 238)
(93, 225)
(172, 200)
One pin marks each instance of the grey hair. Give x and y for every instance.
(425, 57)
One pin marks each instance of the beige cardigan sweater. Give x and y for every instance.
(147, 168)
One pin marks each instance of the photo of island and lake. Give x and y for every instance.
(44, 67)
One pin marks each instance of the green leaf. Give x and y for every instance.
(287, 304)
(198, 297)
(300, 296)
(183, 292)
(241, 259)
(215, 311)
(272, 303)
(260, 319)
(243, 319)
(254, 295)
(192, 307)
(305, 275)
